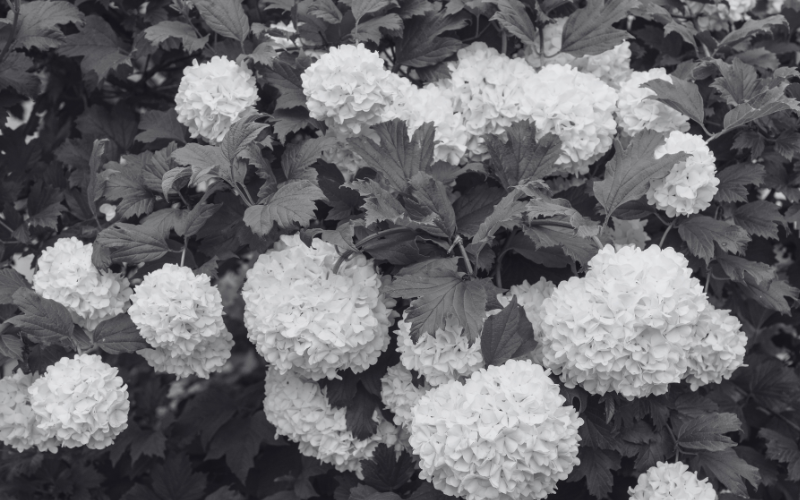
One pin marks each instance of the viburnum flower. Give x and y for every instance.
(180, 316)
(692, 183)
(719, 349)
(299, 410)
(213, 96)
(399, 394)
(300, 314)
(81, 401)
(66, 274)
(350, 89)
(636, 112)
(441, 356)
(504, 434)
(627, 325)
(18, 422)
(665, 481)
(578, 108)
(628, 232)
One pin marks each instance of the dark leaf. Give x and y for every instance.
(738, 82)
(726, 467)
(297, 158)
(506, 213)
(163, 31)
(589, 30)
(421, 44)
(238, 441)
(473, 207)
(772, 294)
(370, 31)
(759, 218)
(286, 78)
(10, 282)
(156, 125)
(740, 269)
(226, 17)
(385, 471)
(543, 236)
(752, 28)
(680, 95)
(512, 16)
(97, 45)
(151, 443)
(175, 480)
(505, 333)
(192, 221)
(359, 415)
(706, 432)
(596, 466)
(38, 23)
(14, 73)
(734, 179)
(119, 334)
(293, 202)
(428, 202)
(10, 345)
(522, 158)
(43, 320)
(133, 244)
(701, 232)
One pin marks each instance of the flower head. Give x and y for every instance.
(504, 434)
(691, 184)
(66, 274)
(180, 316)
(637, 112)
(627, 325)
(213, 96)
(399, 394)
(18, 423)
(719, 349)
(665, 481)
(81, 402)
(299, 410)
(300, 314)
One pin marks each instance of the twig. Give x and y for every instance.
(3, 224)
(597, 242)
(183, 252)
(666, 232)
(465, 256)
(498, 269)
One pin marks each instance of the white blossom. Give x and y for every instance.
(719, 348)
(665, 481)
(399, 394)
(637, 112)
(18, 423)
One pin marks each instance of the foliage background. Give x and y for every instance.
(101, 77)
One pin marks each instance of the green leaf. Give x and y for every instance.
(10, 282)
(14, 73)
(380, 204)
(174, 180)
(118, 335)
(596, 466)
(118, 124)
(359, 415)
(206, 161)
(700, 232)
(99, 47)
(767, 102)
(396, 158)
(752, 28)
(363, 492)
(543, 236)
(48, 216)
(207, 412)
(192, 221)
(297, 158)
(151, 443)
(421, 44)
(727, 468)
(771, 294)
(226, 17)
(325, 10)
(385, 471)
(361, 8)
(734, 179)
(370, 31)
(588, 31)
(293, 202)
(512, 16)
(238, 441)
(133, 244)
(126, 183)
(706, 432)
(42, 320)
(522, 158)
(157, 125)
(738, 83)
(163, 31)
(428, 201)
(440, 293)
(285, 77)
(38, 23)
(507, 213)
(175, 479)
(681, 95)
(10, 345)
(740, 269)
(507, 334)
(629, 172)
(474, 206)
(287, 121)
(759, 218)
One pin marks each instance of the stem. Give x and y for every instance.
(708, 280)
(498, 279)
(666, 232)
(541, 46)
(13, 34)
(504, 43)
(597, 242)
(3, 224)
(364, 241)
(183, 252)
(549, 222)
(465, 256)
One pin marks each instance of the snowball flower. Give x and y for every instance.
(300, 314)
(349, 89)
(637, 112)
(299, 410)
(66, 274)
(627, 325)
(578, 108)
(213, 96)
(180, 316)
(692, 183)
(441, 356)
(665, 481)
(399, 394)
(18, 422)
(719, 349)
(628, 232)
(504, 434)
(81, 401)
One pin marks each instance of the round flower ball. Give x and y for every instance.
(719, 349)
(578, 108)
(180, 316)
(691, 184)
(299, 410)
(665, 481)
(399, 394)
(66, 274)
(302, 315)
(504, 434)
(213, 96)
(627, 325)
(441, 356)
(349, 89)
(81, 401)
(18, 422)
(637, 112)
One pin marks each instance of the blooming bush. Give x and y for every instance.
(399, 250)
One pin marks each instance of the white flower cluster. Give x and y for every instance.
(80, 402)
(631, 325)
(213, 96)
(691, 184)
(665, 481)
(302, 315)
(180, 316)
(66, 274)
(720, 348)
(636, 112)
(350, 89)
(399, 394)
(504, 434)
(299, 410)
(18, 422)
